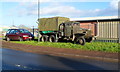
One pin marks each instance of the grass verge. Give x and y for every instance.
(94, 46)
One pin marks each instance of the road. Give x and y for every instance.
(18, 60)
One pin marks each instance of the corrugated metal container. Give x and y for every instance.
(108, 29)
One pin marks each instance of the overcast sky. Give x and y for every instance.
(26, 11)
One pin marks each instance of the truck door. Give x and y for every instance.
(76, 28)
(62, 29)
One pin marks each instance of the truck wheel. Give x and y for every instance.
(81, 41)
(44, 38)
(90, 39)
(52, 38)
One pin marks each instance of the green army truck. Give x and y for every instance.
(60, 28)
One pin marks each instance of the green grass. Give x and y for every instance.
(94, 46)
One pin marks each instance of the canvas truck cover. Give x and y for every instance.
(51, 24)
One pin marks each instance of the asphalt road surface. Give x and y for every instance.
(18, 60)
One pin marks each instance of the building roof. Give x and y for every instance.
(95, 18)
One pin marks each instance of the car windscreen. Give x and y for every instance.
(24, 31)
(8, 31)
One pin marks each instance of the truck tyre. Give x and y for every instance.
(90, 39)
(52, 38)
(81, 41)
(44, 38)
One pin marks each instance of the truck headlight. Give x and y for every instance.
(25, 36)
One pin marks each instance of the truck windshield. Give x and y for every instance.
(24, 31)
(76, 23)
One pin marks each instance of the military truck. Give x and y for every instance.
(60, 28)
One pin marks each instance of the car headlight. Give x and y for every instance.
(25, 36)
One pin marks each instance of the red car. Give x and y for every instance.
(19, 34)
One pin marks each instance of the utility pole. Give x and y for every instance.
(38, 9)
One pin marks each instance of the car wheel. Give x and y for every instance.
(81, 41)
(20, 39)
(52, 38)
(7, 39)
